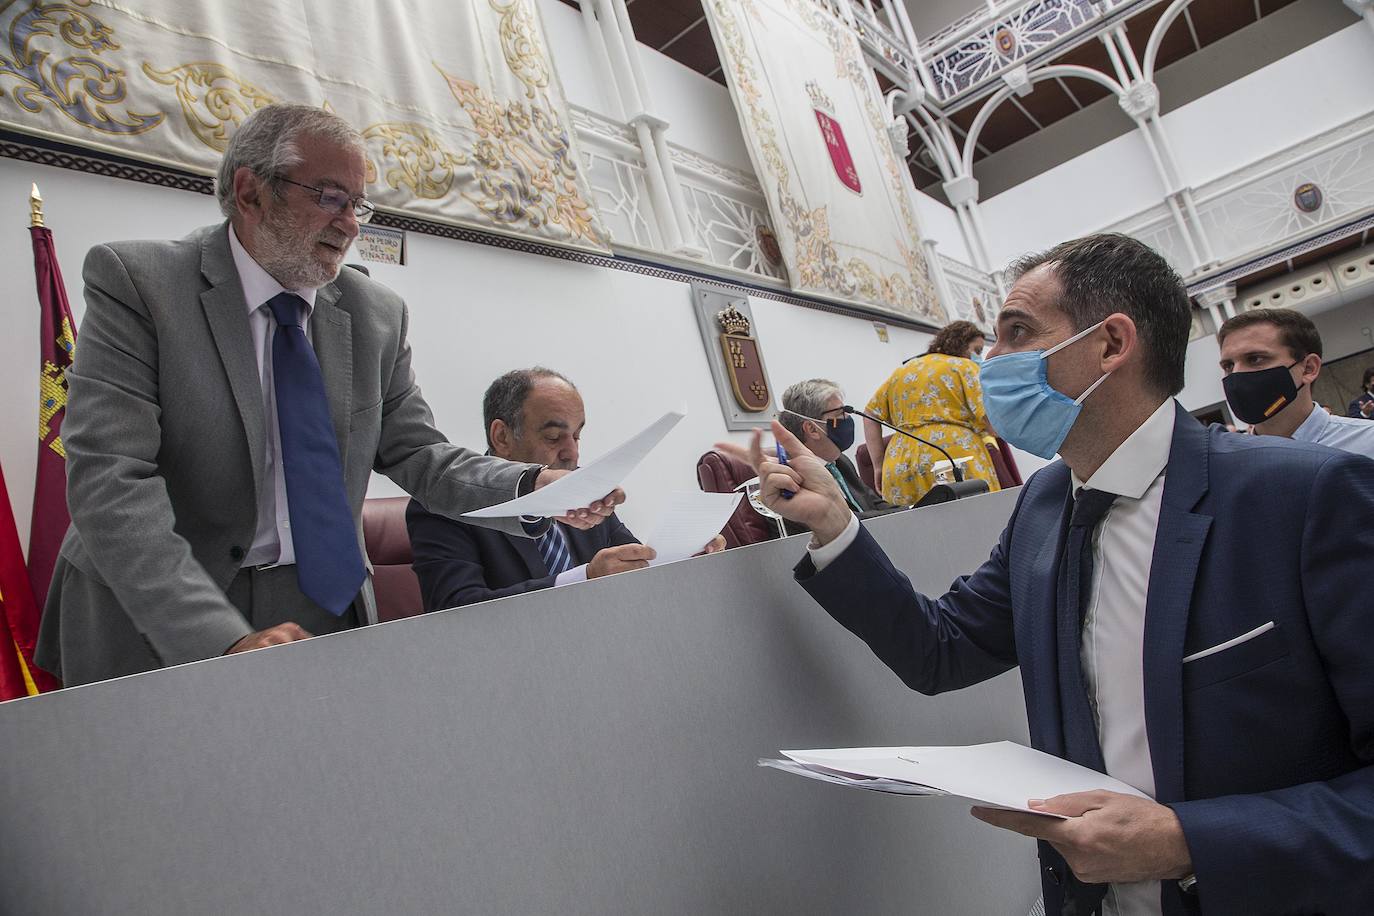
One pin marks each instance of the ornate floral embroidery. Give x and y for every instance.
(413, 156)
(213, 99)
(521, 46)
(79, 86)
(523, 165)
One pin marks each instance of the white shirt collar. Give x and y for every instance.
(1310, 430)
(258, 284)
(1136, 463)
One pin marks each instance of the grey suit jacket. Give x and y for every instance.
(165, 442)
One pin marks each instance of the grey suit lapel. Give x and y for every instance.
(226, 311)
(331, 331)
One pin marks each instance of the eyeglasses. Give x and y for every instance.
(334, 200)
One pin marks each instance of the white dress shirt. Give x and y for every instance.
(1350, 434)
(1114, 626)
(272, 543)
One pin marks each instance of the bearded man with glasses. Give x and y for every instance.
(232, 393)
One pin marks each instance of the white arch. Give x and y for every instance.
(1157, 36)
(1001, 95)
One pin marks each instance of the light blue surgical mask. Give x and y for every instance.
(1022, 406)
(976, 356)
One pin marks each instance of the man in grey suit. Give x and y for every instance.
(231, 395)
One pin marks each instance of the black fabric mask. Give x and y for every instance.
(1258, 396)
(840, 432)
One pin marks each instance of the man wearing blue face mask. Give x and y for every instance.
(813, 411)
(1187, 607)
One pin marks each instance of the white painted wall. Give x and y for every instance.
(1202, 375)
(1310, 91)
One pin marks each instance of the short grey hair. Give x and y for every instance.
(268, 142)
(806, 398)
(505, 397)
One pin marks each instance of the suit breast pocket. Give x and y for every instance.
(367, 417)
(1248, 653)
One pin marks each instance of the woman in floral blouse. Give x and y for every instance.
(936, 396)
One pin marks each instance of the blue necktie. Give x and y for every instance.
(1081, 743)
(553, 547)
(329, 567)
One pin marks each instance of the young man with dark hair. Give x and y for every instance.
(1271, 357)
(1187, 608)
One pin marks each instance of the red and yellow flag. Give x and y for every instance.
(57, 344)
(18, 614)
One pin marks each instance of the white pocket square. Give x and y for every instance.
(1230, 643)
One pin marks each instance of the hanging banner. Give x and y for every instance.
(816, 129)
(462, 111)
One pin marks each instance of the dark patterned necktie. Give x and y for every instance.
(553, 547)
(1081, 744)
(329, 566)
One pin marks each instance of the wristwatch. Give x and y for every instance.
(1188, 885)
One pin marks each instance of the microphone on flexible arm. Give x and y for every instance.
(958, 474)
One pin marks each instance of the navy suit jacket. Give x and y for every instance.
(1264, 750)
(461, 564)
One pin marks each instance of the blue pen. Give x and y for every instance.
(782, 460)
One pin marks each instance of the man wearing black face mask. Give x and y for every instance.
(813, 411)
(1271, 357)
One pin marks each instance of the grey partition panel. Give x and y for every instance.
(589, 749)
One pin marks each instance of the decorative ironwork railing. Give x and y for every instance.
(1281, 200)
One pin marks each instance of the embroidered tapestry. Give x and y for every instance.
(458, 100)
(816, 129)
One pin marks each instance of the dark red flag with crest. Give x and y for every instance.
(57, 344)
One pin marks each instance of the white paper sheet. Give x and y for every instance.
(688, 522)
(589, 483)
(1002, 774)
(890, 786)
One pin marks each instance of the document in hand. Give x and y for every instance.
(589, 483)
(688, 522)
(1002, 774)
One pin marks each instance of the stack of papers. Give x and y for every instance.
(1003, 774)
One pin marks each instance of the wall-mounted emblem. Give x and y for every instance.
(734, 354)
(742, 362)
(1307, 198)
(833, 135)
(768, 245)
(1005, 40)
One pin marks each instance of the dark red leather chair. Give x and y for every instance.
(721, 473)
(864, 462)
(388, 549)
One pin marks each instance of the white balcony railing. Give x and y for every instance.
(1296, 194)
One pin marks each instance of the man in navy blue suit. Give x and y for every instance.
(537, 414)
(1188, 608)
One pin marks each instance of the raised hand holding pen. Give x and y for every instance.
(816, 501)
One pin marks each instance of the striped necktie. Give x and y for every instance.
(553, 547)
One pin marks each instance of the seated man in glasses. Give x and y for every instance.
(231, 395)
(813, 411)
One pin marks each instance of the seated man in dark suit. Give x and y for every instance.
(538, 414)
(813, 411)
